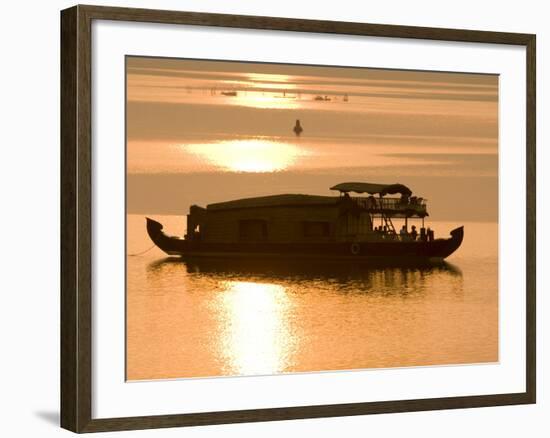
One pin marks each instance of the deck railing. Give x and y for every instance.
(396, 205)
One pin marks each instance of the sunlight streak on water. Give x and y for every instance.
(268, 101)
(256, 338)
(255, 155)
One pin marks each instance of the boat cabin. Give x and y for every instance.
(307, 218)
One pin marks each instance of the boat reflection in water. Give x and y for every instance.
(258, 317)
(398, 277)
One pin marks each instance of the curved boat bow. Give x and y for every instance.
(171, 245)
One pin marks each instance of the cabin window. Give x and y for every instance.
(253, 230)
(316, 229)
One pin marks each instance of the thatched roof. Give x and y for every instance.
(274, 201)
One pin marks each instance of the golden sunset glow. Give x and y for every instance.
(255, 155)
(267, 77)
(240, 257)
(257, 338)
(261, 100)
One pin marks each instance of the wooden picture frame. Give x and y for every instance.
(76, 218)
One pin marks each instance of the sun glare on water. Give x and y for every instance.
(257, 338)
(255, 155)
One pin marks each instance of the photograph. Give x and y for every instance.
(287, 218)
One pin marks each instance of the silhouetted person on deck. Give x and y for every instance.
(371, 202)
(298, 128)
(414, 233)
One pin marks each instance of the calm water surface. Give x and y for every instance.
(189, 142)
(230, 317)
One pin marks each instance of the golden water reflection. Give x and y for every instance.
(256, 338)
(272, 79)
(262, 100)
(250, 155)
(210, 317)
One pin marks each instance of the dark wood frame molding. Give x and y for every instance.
(76, 220)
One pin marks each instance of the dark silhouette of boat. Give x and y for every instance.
(229, 93)
(322, 98)
(308, 226)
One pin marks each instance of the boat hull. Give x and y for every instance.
(381, 251)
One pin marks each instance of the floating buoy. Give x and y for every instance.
(298, 128)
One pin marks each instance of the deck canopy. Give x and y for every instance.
(372, 189)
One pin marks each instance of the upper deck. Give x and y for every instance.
(303, 218)
(393, 207)
(404, 206)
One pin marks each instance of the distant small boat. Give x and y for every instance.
(229, 93)
(284, 96)
(325, 227)
(322, 98)
(345, 98)
(298, 127)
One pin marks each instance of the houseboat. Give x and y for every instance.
(344, 226)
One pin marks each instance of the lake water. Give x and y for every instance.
(228, 317)
(200, 132)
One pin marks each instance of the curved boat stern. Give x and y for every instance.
(170, 245)
(154, 228)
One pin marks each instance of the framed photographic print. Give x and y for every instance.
(268, 219)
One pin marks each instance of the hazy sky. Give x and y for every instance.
(206, 131)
